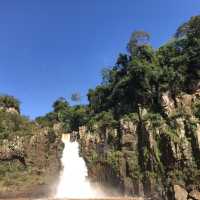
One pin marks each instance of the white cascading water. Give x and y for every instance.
(73, 180)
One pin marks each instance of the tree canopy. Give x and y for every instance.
(139, 78)
(7, 101)
(141, 75)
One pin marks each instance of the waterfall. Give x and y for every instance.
(73, 180)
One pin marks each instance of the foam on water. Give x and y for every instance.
(73, 180)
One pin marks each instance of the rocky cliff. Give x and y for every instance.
(29, 162)
(149, 154)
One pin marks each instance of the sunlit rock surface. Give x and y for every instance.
(149, 155)
(31, 164)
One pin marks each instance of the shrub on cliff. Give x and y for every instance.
(7, 102)
(196, 109)
(12, 124)
(105, 120)
(113, 158)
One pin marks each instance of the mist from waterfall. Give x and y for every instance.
(73, 180)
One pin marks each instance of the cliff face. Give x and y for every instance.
(30, 164)
(149, 154)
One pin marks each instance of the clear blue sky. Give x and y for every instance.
(52, 48)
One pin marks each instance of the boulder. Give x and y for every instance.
(180, 193)
(194, 195)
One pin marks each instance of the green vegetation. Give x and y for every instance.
(113, 159)
(12, 123)
(131, 92)
(71, 117)
(21, 141)
(196, 109)
(7, 102)
(138, 79)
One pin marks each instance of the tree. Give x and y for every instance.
(182, 31)
(139, 77)
(78, 117)
(174, 67)
(138, 38)
(106, 76)
(7, 101)
(122, 61)
(60, 104)
(192, 52)
(183, 55)
(61, 110)
(98, 98)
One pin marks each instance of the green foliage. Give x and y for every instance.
(15, 176)
(171, 133)
(113, 159)
(138, 38)
(189, 35)
(93, 157)
(60, 104)
(98, 99)
(48, 120)
(105, 120)
(137, 80)
(78, 117)
(155, 119)
(7, 101)
(12, 124)
(131, 117)
(106, 76)
(133, 167)
(143, 74)
(71, 117)
(196, 109)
